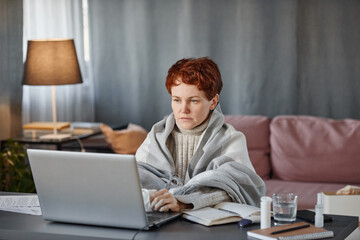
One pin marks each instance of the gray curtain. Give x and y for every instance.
(11, 67)
(44, 19)
(276, 57)
(328, 50)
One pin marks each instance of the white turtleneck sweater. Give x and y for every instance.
(182, 144)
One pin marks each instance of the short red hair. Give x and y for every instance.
(202, 72)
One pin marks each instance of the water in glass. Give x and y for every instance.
(285, 212)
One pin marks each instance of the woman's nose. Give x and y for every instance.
(185, 107)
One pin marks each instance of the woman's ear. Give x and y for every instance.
(214, 102)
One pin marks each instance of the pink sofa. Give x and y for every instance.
(299, 154)
(302, 154)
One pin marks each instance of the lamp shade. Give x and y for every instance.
(51, 62)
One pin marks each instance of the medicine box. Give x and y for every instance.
(341, 204)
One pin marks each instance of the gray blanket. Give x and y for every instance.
(221, 161)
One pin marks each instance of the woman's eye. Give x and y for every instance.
(176, 100)
(194, 101)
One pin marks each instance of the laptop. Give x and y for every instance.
(91, 188)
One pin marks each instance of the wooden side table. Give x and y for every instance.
(73, 143)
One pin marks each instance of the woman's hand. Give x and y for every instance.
(164, 201)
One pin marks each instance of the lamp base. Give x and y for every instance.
(57, 137)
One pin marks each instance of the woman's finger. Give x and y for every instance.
(173, 206)
(155, 201)
(157, 193)
(162, 201)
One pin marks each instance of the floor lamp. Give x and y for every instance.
(52, 62)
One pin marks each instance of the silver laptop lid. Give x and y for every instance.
(88, 188)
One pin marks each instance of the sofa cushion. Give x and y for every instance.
(257, 132)
(306, 191)
(314, 149)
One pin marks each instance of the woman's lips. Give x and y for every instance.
(185, 118)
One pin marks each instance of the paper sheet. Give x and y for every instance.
(210, 214)
(241, 209)
(27, 204)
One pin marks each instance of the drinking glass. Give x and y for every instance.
(284, 207)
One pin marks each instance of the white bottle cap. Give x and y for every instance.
(266, 199)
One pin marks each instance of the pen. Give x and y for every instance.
(291, 229)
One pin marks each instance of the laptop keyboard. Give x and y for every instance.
(155, 218)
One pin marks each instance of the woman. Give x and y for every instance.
(192, 156)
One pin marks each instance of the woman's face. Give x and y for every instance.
(190, 105)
